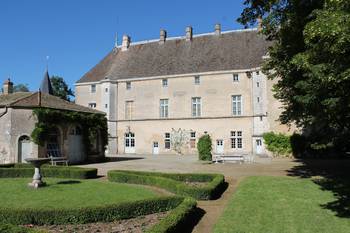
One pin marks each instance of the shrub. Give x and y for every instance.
(177, 220)
(107, 213)
(279, 144)
(174, 182)
(8, 228)
(26, 170)
(204, 147)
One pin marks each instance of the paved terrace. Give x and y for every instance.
(190, 163)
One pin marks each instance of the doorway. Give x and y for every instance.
(155, 150)
(24, 149)
(220, 146)
(258, 146)
(129, 143)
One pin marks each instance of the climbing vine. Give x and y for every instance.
(90, 123)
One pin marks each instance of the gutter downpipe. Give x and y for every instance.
(2, 114)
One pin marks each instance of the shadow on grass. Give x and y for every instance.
(331, 175)
(69, 182)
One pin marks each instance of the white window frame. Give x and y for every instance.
(92, 105)
(236, 139)
(237, 105)
(128, 85)
(93, 88)
(167, 141)
(164, 82)
(164, 108)
(235, 78)
(197, 80)
(196, 106)
(193, 138)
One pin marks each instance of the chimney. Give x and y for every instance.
(188, 33)
(217, 29)
(162, 36)
(8, 87)
(125, 43)
(259, 21)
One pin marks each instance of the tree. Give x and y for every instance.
(310, 56)
(21, 88)
(60, 88)
(179, 138)
(204, 147)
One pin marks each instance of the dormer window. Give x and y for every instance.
(197, 80)
(235, 78)
(165, 82)
(128, 85)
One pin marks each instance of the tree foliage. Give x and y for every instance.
(21, 88)
(60, 88)
(48, 119)
(279, 144)
(204, 147)
(179, 138)
(310, 57)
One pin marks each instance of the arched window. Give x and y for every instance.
(53, 143)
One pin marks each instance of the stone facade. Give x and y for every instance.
(141, 97)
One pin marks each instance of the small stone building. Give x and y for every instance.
(17, 123)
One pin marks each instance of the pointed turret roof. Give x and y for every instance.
(46, 86)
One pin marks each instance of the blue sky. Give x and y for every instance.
(76, 34)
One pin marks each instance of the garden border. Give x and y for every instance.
(106, 213)
(27, 170)
(174, 182)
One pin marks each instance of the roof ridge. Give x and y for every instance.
(16, 101)
(194, 36)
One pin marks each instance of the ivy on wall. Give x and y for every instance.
(48, 119)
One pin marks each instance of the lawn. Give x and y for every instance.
(64, 193)
(280, 204)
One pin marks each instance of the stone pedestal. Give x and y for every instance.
(37, 178)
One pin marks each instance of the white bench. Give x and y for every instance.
(240, 158)
(57, 160)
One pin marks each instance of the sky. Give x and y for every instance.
(77, 34)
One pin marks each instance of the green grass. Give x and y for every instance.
(280, 205)
(63, 193)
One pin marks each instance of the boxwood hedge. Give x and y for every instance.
(8, 228)
(26, 170)
(177, 220)
(174, 182)
(107, 213)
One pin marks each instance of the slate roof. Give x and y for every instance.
(46, 86)
(31, 100)
(242, 49)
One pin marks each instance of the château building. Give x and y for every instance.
(205, 84)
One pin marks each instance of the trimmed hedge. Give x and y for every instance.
(178, 218)
(174, 182)
(107, 213)
(8, 228)
(27, 170)
(204, 147)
